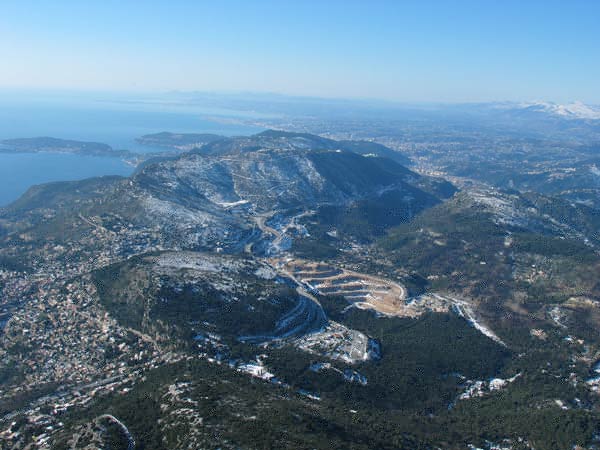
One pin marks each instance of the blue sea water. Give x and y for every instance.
(89, 119)
(18, 172)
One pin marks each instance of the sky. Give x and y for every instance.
(412, 51)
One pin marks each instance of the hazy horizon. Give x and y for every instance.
(133, 96)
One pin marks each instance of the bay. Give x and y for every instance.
(18, 172)
(89, 118)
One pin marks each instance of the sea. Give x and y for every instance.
(96, 118)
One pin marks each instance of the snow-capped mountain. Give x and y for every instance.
(575, 110)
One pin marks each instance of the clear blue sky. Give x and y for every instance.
(398, 50)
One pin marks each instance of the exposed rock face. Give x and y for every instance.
(276, 172)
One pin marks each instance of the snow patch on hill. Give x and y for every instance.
(575, 110)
